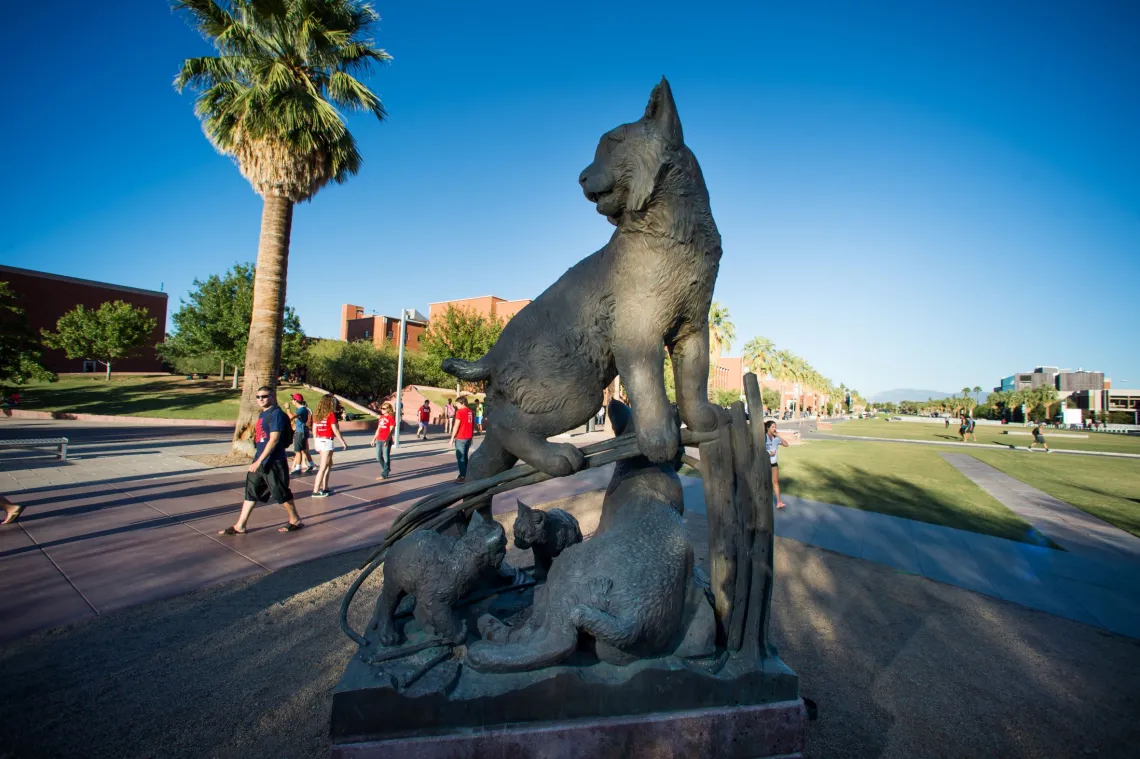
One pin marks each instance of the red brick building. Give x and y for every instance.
(487, 305)
(381, 330)
(46, 297)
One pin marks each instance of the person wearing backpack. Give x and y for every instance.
(268, 476)
(302, 420)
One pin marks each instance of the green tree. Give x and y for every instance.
(356, 370)
(460, 333)
(114, 331)
(269, 101)
(977, 394)
(20, 352)
(215, 322)
(724, 398)
(760, 357)
(771, 399)
(721, 333)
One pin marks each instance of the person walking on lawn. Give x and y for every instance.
(325, 428)
(449, 416)
(461, 435)
(302, 420)
(425, 417)
(772, 443)
(268, 475)
(382, 440)
(478, 417)
(1039, 439)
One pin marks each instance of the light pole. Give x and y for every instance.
(400, 378)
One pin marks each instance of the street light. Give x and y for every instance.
(400, 378)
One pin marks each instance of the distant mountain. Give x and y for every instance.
(907, 394)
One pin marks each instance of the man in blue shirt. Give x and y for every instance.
(268, 475)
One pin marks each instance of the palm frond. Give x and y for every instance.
(270, 99)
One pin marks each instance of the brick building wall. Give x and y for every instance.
(380, 330)
(487, 305)
(46, 297)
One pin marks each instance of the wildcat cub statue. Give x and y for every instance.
(437, 570)
(547, 533)
(629, 587)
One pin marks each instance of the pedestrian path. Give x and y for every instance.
(958, 444)
(1077, 531)
(128, 520)
(1101, 591)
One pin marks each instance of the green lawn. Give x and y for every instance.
(901, 480)
(156, 395)
(1104, 487)
(1096, 441)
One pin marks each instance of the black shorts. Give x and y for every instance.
(300, 442)
(1039, 439)
(269, 482)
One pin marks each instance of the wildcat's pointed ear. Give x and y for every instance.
(476, 519)
(662, 110)
(523, 508)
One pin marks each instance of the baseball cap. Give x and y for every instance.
(298, 397)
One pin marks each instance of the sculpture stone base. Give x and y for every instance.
(773, 730)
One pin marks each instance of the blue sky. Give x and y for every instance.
(925, 195)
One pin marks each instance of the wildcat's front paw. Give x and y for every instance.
(659, 443)
(564, 459)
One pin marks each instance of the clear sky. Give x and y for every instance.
(926, 195)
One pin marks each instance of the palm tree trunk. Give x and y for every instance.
(263, 352)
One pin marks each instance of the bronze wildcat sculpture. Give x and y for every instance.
(437, 570)
(614, 312)
(547, 533)
(626, 586)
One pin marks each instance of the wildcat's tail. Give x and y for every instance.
(472, 371)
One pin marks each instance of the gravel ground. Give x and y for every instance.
(900, 667)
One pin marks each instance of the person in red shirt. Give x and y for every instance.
(382, 440)
(461, 435)
(325, 428)
(425, 417)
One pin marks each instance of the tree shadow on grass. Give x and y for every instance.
(897, 497)
(129, 399)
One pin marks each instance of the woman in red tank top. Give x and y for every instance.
(325, 428)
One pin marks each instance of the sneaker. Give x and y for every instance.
(321, 494)
(310, 469)
(295, 471)
(461, 479)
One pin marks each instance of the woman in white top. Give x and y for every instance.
(772, 443)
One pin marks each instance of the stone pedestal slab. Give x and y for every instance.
(773, 731)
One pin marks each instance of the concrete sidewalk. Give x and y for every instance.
(1103, 591)
(127, 519)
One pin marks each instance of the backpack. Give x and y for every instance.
(287, 434)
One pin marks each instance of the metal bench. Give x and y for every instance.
(45, 442)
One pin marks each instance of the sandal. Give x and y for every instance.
(231, 531)
(290, 527)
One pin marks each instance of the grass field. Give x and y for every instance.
(1104, 487)
(937, 432)
(155, 395)
(901, 480)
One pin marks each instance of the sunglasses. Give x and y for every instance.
(263, 397)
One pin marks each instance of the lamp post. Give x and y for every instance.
(400, 378)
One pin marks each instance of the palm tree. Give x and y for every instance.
(760, 356)
(721, 333)
(785, 363)
(977, 397)
(269, 101)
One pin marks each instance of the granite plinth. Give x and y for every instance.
(773, 731)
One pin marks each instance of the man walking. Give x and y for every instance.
(302, 419)
(461, 435)
(425, 417)
(268, 475)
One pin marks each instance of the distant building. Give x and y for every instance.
(380, 330)
(487, 305)
(1065, 381)
(46, 297)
